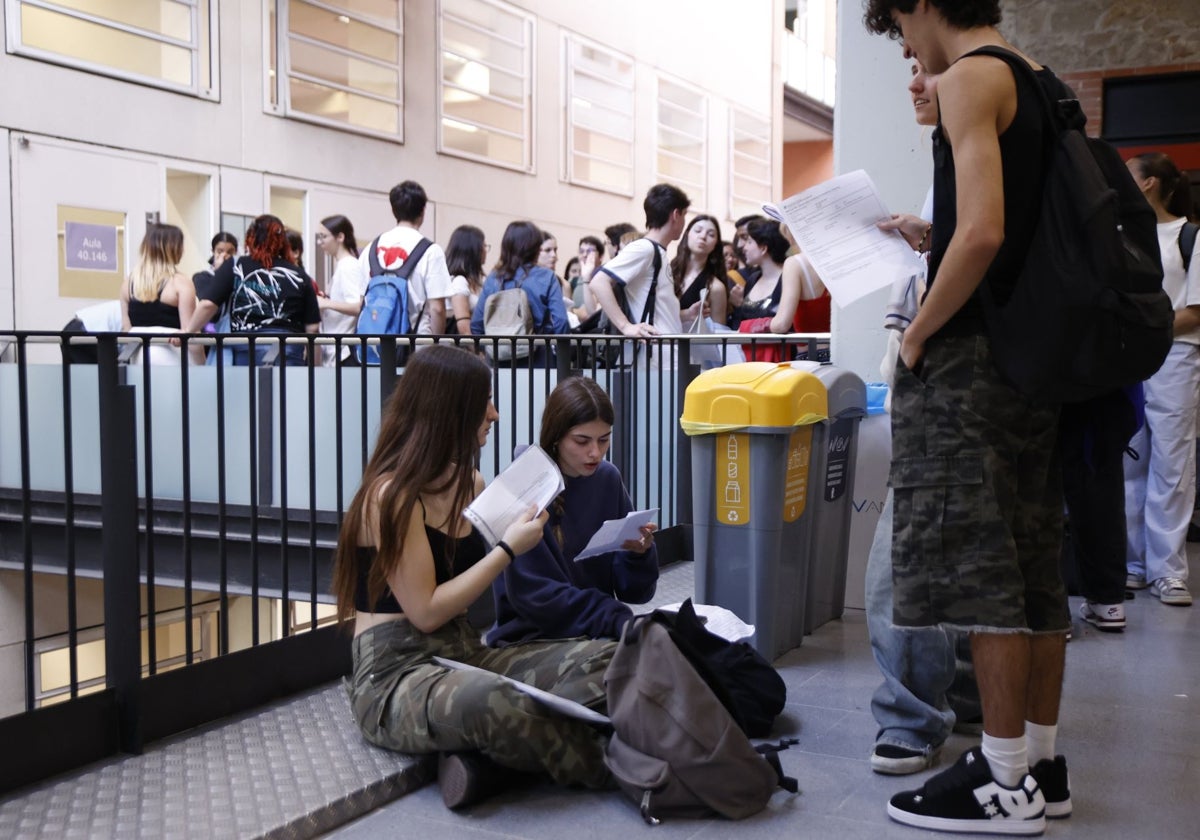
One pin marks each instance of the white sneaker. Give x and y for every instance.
(1171, 590)
(1107, 617)
(1135, 581)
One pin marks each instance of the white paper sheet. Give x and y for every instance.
(531, 480)
(562, 705)
(718, 621)
(614, 532)
(834, 224)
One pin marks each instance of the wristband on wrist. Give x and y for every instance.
(924, 238)
(507, 549)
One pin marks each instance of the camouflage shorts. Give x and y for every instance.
(405, 702)
(978, 497)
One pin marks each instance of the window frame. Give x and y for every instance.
(277, 95)
(529, 92)
(14, 46)
(734, 155)
(569, 39)
(697, 192)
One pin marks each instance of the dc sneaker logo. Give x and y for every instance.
(999, 802)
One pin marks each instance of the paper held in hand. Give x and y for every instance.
(614, 532)
(531, 480)
(834, 224)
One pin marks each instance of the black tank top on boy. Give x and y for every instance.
(1023, 161)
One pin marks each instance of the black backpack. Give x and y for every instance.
(1088, 313)
(598, 322)
(745, 683)
(1187, 243)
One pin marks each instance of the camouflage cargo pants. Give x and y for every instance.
(978, 497)
(405, 702)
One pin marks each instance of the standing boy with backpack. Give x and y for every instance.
(429, 282)
(640, 274)
(975, 476)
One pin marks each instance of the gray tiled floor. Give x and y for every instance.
(1130, 730)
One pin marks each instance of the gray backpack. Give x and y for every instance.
(676, 750)
(506, 313)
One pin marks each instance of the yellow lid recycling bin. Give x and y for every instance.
(751, 427)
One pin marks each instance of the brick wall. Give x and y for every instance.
(1089, 86)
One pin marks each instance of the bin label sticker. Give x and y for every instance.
(837, 464)
(732, 483)
(795, 488)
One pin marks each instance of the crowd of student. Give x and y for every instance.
(757, 282)
(965, 565)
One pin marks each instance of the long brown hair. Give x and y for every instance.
(572, 403)
(429, 425)
(714, 264)
(161, 251)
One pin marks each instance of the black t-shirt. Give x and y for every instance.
(1022, 153)
(280, 298)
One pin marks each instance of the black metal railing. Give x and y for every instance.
(131, 490)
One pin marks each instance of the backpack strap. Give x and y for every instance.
(652, 299)
(771, 752)
(403, 272)
(1187, 243)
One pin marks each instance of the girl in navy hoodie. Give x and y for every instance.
(545, 593)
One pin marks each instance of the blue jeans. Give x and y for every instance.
(918, 664)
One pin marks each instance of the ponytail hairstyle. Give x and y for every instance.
(266, 241)
(1174, 188)
(158, 261)
(338, 224)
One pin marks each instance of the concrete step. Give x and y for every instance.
(292, 770)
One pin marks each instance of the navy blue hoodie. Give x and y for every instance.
(545, 594)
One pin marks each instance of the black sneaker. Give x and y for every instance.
(966, 799)
(465, 778)
(894, 760)
(1051, 777)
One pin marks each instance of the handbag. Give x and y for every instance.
(769, 352)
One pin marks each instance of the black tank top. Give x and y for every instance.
(468, 551)
(153, 313)
(1022, 154)
(751, 309)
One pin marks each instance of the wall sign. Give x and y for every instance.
(90, 247)
(91, 252)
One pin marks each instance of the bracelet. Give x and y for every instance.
(507, 549)
(924, 238)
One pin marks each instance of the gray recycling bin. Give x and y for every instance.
(834, 452)
(751, 427)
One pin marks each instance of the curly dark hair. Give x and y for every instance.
(961, 14)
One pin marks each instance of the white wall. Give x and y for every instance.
(874, 130)
(252, 147)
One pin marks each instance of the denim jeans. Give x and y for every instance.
(918, 664)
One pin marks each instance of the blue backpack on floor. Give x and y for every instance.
(385, 304)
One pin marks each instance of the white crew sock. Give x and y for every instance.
(1039, 740)
(1008, 758)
